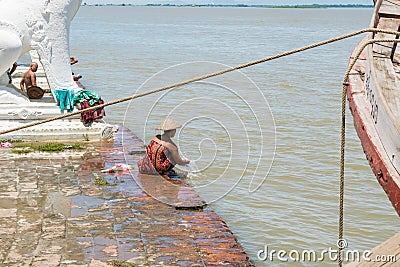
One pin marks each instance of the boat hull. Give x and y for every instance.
(365, 124)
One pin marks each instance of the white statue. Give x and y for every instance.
(41, 25)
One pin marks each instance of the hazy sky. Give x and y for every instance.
(256, 2)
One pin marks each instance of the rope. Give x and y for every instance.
(199, 78)
(343, 135)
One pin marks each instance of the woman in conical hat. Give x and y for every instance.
(162, 153)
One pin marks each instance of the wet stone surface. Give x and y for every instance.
(52, 213)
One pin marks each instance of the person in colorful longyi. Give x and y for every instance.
(162, 153)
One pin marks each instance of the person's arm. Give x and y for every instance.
(33, 79)
(22, 83)
(173, 152)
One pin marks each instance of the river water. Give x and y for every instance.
(264, 141)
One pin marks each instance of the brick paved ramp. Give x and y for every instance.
(52, 213)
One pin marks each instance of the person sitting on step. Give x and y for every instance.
(29, 78)
(162, 153)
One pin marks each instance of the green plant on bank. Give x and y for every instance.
(100, 180)
(119, 263)
(23, 148)
(10, 141)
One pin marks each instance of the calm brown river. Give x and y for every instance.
(264, 142)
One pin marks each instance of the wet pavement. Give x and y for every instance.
(53, 212)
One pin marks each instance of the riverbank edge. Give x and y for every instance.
(52, 213)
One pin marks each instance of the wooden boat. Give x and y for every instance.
(374, 99)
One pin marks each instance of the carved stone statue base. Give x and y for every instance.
(63, 130)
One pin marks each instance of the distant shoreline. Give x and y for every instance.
(241, 5)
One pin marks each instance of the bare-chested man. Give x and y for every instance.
(29, 78)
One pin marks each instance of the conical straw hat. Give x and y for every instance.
(168, 124)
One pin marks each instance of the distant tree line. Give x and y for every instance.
(243, 5)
